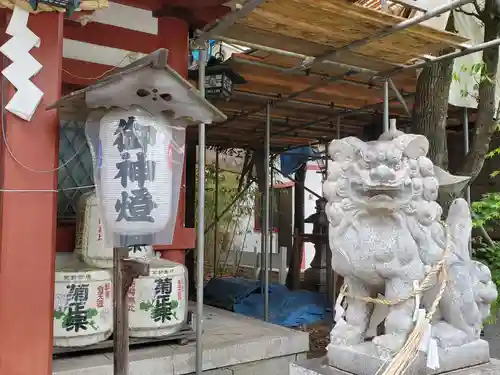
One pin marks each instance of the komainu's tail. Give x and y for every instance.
(469, 288)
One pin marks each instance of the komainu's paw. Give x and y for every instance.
(392, 342)
(346, 334)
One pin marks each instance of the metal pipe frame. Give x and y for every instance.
(302, 73)
(265, 230)
(450, 56)
(328, 253)
(466, 151)
(338, 130)
(341, 115)
(383, 75)
(401, 26)
(220, 26)
(399, 96)
(200, 228)
(386, 106)
(466, 147)
(273, 97)
(292, 54)
(216, 201)
(230, 205)
(382, 34)
(293, 124)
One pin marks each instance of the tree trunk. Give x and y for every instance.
(431, 109)
(486, 123)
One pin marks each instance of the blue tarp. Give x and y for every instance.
(225, 292)
(286, 308)
(291, 160)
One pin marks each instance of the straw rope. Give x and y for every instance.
(88, 5)
(408, 353)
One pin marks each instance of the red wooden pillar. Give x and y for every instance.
(173, 34)
(28, 219)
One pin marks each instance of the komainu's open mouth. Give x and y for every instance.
(388, 192)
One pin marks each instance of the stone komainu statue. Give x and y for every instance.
(386, 233)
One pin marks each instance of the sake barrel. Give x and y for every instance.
(91, 245)
(157, 303)
(83, 303)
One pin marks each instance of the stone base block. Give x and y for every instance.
(368, 359)
(319, 366)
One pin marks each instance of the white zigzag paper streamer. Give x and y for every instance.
(23, 67)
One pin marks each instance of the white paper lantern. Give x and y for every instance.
(135, 171)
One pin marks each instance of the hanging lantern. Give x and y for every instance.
(135, 173)
(136, 122)
(69, 5)
(220, 79)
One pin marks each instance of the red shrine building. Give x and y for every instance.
(72, 56)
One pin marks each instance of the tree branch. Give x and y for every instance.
(478, 9)
(460, 10)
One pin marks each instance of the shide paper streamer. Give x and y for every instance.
(23, 67)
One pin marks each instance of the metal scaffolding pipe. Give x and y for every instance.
(449, 56)
(200, 228)
(216, 209)
(271, 97)
(466, 151)
(399, 96)
(338, 129)
(286, 70)
(466, 146)
(220, 26)
(328, 81)
(229, 206)
(386, 106)
(291, 54)
(265, 266)
(328, 254)
(340, 115)
(377, 36)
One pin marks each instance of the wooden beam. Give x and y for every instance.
(111, 36)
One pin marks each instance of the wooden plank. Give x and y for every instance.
(405, 80)
(314, 27)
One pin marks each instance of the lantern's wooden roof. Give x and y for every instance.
(73, 107)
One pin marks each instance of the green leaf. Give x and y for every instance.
(58, 314)
(145, 305)
(91, 313)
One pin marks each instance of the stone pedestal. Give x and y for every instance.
(367, 358)
(320, 366)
